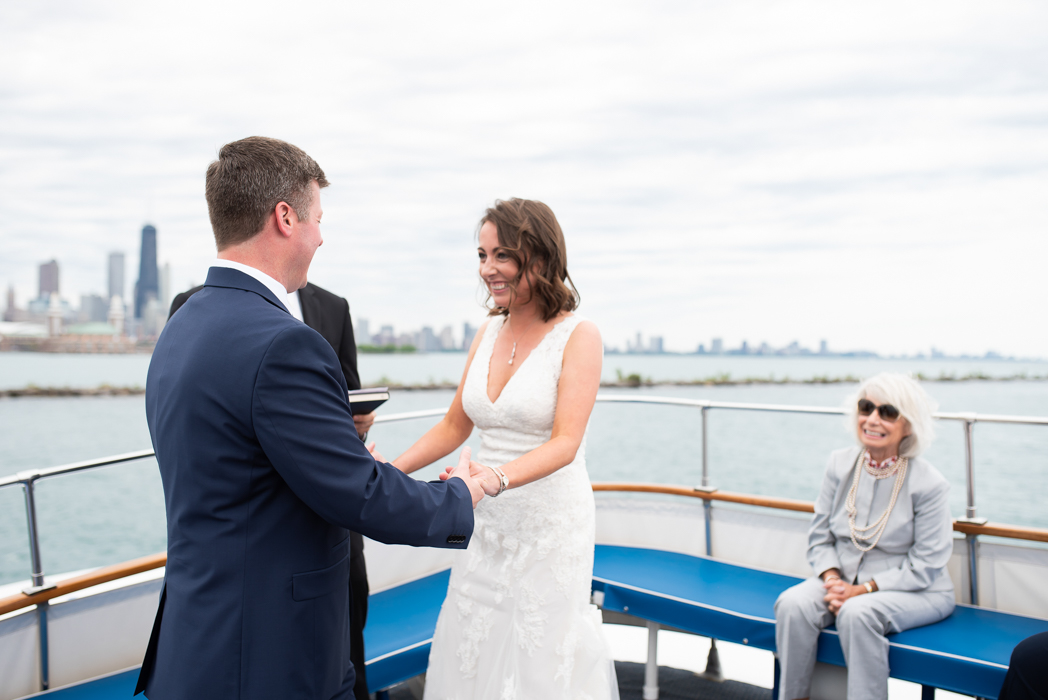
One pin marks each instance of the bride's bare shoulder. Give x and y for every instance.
(586, 337)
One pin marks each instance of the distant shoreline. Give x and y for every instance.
(631, 381)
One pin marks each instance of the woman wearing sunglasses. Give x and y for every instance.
(879, 544)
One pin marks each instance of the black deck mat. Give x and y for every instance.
(674, 684)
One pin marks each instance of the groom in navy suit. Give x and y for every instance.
(262, 468)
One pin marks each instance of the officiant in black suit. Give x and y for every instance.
(328, 314)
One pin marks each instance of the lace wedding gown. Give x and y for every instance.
(517, 623)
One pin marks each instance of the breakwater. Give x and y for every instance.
(623, 381)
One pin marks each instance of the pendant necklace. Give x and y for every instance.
(513, 353)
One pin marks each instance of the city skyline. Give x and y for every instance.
(425, 339)
(145, 311)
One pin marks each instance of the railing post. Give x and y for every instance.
(705, 451)
(970, 512)
(28, 484)
(37, 572)
(704, 486)
(707, 505)
(713, 667)
(45, 661)
(651, 666)
(969, 469)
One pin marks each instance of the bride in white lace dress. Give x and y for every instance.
(517, 623)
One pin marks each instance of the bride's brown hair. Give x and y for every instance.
(529, 233)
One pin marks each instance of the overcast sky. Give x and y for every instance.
(873, 174)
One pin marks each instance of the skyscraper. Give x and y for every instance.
(48, 279)
(116, 275)
(148, 285)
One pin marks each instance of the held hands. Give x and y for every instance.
(464, 470)
(483, 475)
(487, 478)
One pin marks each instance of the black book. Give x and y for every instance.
(367, 400)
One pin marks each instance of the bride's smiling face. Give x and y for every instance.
(498, 268)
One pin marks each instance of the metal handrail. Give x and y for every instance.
(28, 479)
(36, 474)
(786, 408)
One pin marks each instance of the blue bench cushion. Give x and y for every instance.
(723, 600)
(400, 628)
(967, 653)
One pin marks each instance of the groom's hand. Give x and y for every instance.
(462, 471)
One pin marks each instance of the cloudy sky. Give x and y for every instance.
(874, 174)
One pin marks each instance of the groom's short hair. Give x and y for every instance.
(249, 179)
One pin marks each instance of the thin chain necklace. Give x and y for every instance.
(875, 529)
(513, 353)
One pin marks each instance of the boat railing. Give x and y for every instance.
(971, 525)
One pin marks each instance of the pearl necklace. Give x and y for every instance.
(882, 470)
(876, 529)
(513, 353)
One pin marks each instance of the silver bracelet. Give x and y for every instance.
(503, 480)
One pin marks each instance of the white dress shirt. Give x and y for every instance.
(290, 301)
(294, 305)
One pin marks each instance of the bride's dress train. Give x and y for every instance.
(517, 623)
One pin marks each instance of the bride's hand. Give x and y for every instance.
(375, 453)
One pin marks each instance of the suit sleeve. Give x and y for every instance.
(822, 544)
(303, 423)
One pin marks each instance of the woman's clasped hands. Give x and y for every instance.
(837, 591)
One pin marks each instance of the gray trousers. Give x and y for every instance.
(801, 613)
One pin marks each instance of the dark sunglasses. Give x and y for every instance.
(886, 412)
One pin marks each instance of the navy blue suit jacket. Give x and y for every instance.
(263, 474)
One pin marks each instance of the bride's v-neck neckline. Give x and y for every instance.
(491, 353)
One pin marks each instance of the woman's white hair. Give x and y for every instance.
(909, 397)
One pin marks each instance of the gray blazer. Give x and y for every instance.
(917, 543)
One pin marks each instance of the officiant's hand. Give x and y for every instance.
(462, 471)
(375, 453)
(363, 423)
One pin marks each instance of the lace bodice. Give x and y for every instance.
(521, 418)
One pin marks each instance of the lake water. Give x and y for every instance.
(18, 370)
(117, 513)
